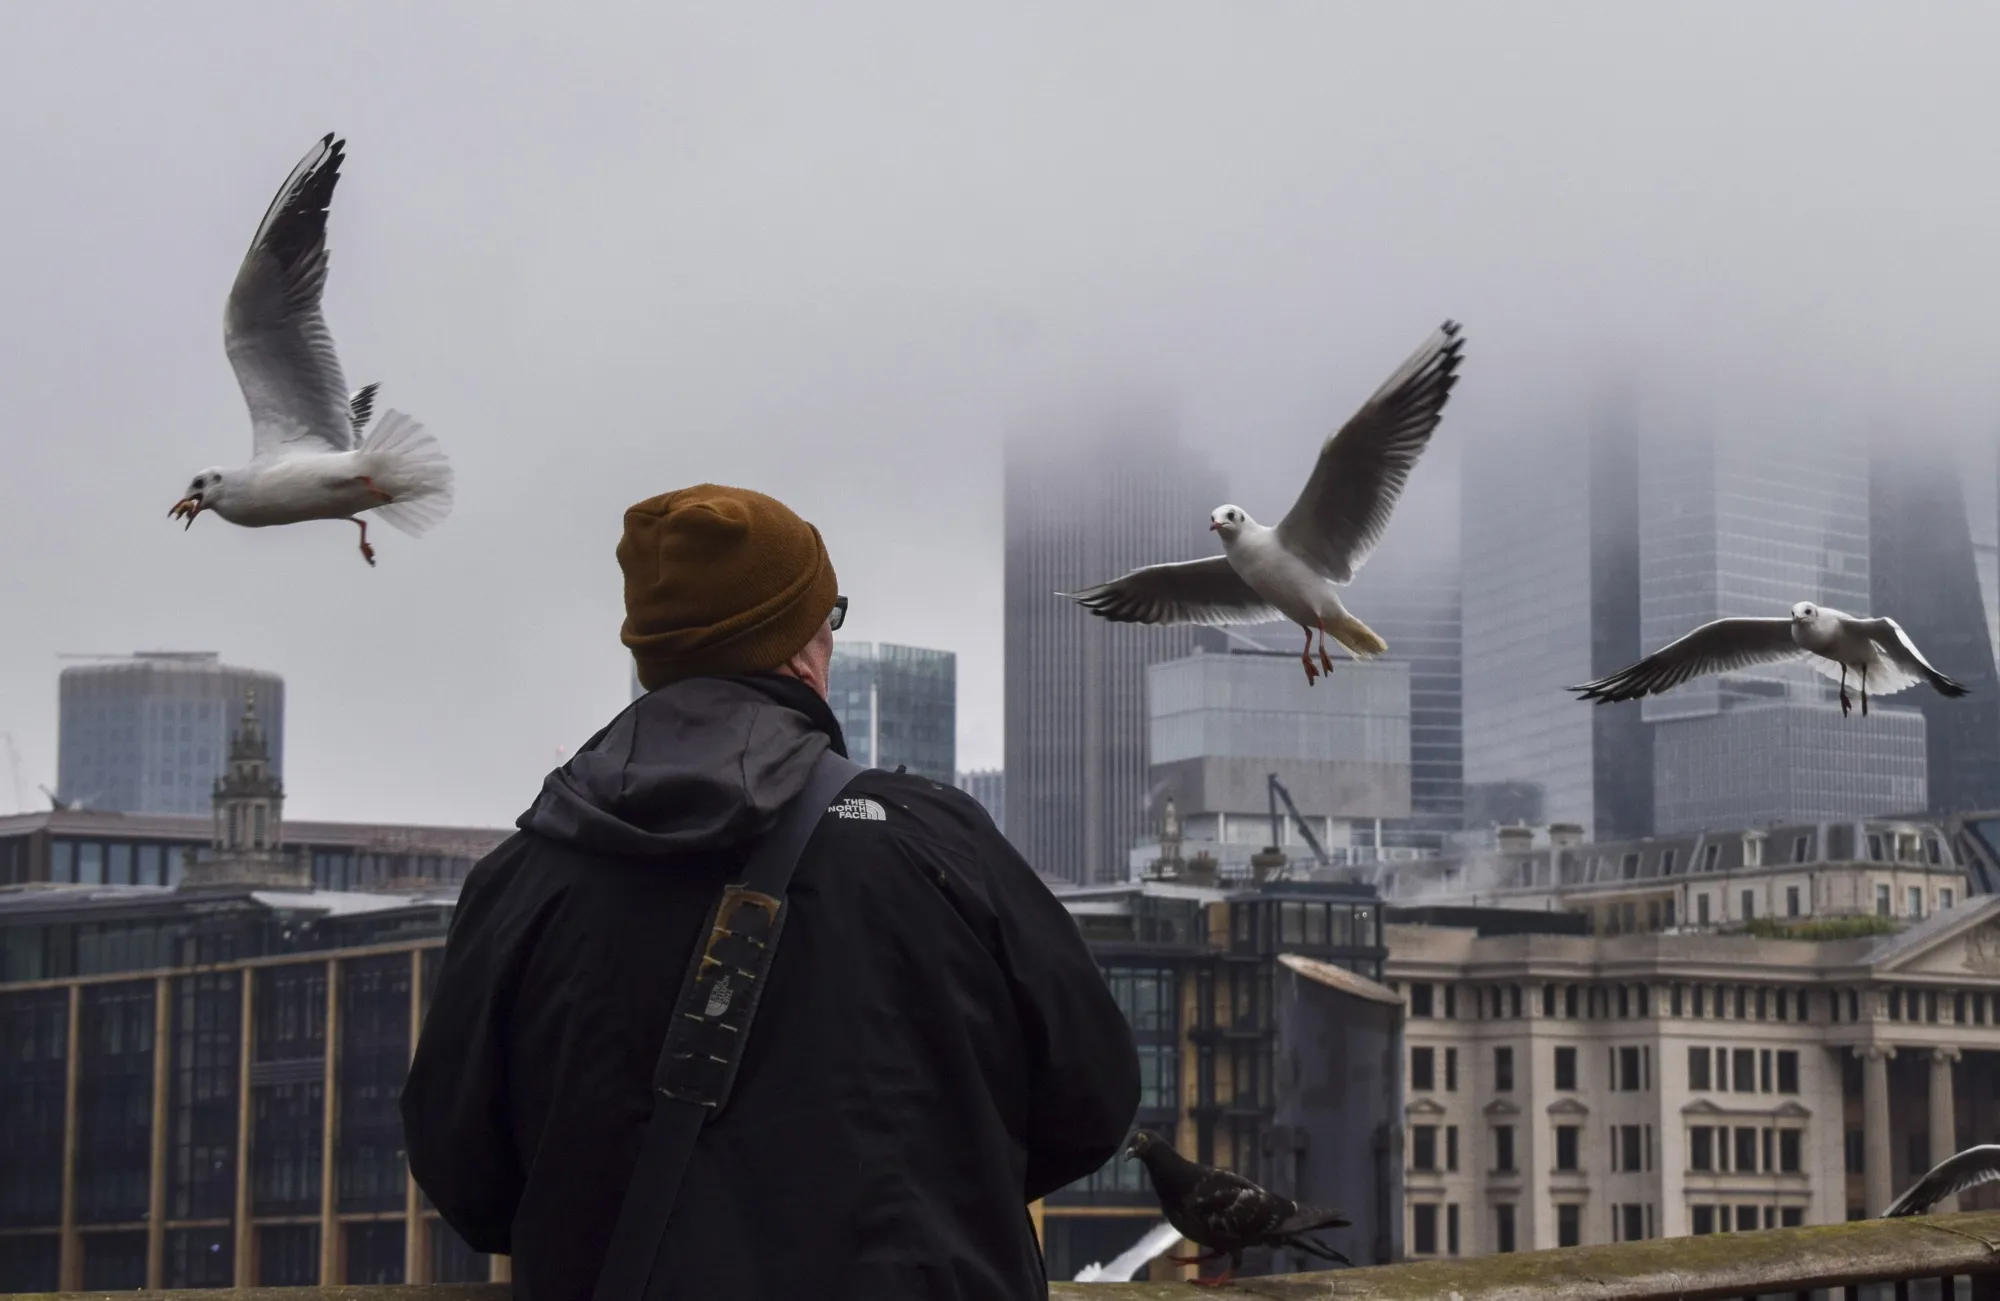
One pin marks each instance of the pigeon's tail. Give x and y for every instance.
(406, 463)
(1361, 640)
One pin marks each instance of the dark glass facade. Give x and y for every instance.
(897, 706)
(374, 1057)
(1201, 1008)
(34, 1047)
(114, 1136)
(183, 1139)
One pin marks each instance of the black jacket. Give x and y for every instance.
(935, 1048)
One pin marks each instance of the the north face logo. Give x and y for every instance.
(718, 998)
(863, 810)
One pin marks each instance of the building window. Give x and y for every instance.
(1424, 1229)
(1628, 1070)
(1569, 1225)
(1698, 1069)
(1856, 1153)
(1704, 1219)
(1424, 1148)
(1701, 909)
(1423, 1069)
(1566, 1147)
(1451, 1148)
(1566, 1069)
(1503, 1070)
(1710, 857)
(1945, 897)
(1791, 901)
(1789, 1159)
(1701, 1148)
(1874, 847)
(1421, 999)
(1451, 1070)
(1745, 1070)
(1503, 1148)
(1788, 1071)
(1881, 901)
(1746, 1150)
(1791, 1217)
(1916, 900)
(1631, 1155)
(1635, 1222)
(1749, 905)
(1667, 863)
(1503, 1226)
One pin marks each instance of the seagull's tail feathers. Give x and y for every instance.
(1361, 640)
(408, 464)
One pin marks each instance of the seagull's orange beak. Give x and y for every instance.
(187, 507)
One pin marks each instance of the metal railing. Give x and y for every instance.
(1935, 1257)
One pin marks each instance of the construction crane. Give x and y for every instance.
(1277, 791)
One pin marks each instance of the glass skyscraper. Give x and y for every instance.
(897, 705)
(1925, 563)
(1409, 592)
(1082, 509)
(1550, 508)
(1743, 513)
(150, 733)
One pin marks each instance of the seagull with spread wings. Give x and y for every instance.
(1954, 1175)
(1835, 643)
(313, 455)
(1293, 570)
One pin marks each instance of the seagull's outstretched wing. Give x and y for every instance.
(1340, 515)
(1902, 654)
(1716, 647)
(1955, 1174)
(272, 327)
(1192, 591)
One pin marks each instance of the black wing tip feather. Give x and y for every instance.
(296, 227)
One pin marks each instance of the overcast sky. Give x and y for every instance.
(835, 251)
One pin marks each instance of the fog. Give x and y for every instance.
(837, 252)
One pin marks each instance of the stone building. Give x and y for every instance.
(1684, 1035)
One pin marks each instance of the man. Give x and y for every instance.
(934, 1048)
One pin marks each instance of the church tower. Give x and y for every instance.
(249, 804)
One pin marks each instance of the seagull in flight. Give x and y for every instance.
(313, 454)
(1953, 1175)
(1833, 642)
(1293, 570)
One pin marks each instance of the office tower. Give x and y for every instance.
(1924, 572)
(1551, 597)
(1084, 506)
(1409, 592)
(149, 733)
(897, 705)
(1221, 726)
(989, 787)
(1745, 511)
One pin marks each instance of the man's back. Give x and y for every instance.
(934, 1047)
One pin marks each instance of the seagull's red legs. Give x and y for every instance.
(367, 552)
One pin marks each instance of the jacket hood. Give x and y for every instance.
(699, 765)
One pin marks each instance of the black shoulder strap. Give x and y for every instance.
(711, 1022)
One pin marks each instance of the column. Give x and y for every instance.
(1943, 1117)
(416, 1262)
(69, 1268)
(330, 1272)
(156, 1198)
(1876, 1179)
(246, 1039)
